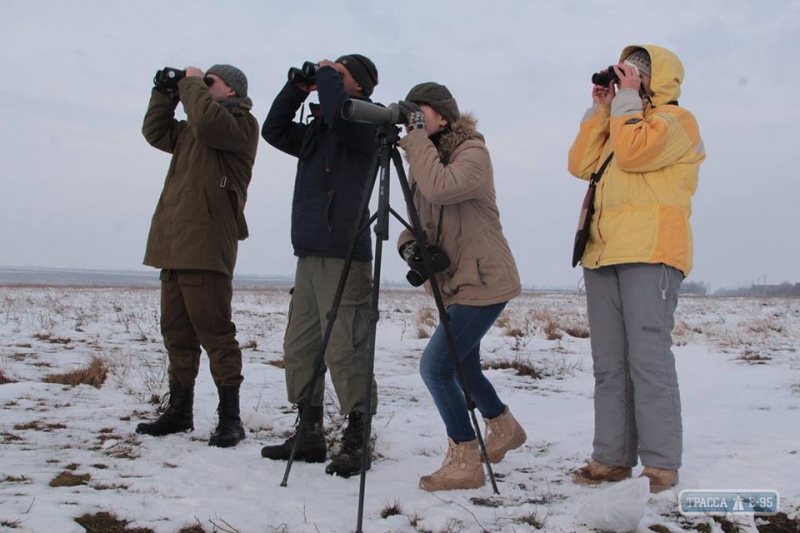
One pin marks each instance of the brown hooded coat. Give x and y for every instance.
(457, 179)
(199, 218)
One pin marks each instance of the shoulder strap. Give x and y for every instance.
(599, 174)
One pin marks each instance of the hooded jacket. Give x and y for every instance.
(334, 158)
(455, 184)
(643, 200)
(199, 218)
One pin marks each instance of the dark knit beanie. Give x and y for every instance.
(438, 97)
(641, 59)
(231, 75)
(362, 69)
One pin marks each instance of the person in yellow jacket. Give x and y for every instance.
(638, 252)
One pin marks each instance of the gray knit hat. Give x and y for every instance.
(438, 97)
(641, 59)
(231, 75)
(362, 69)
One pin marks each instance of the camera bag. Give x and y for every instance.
(587, 210)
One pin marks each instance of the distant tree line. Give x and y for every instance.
(695, 288)
(783, 290)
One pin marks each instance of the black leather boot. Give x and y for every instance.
(177, 417)
(230, 431)
(311, 447)
(347, 462)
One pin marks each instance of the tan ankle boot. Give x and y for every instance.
(503, 434)
(461, 469)
(596, 472)
(660, 479)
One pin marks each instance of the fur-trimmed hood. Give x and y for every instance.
(464, 129)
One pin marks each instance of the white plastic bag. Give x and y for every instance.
(619, 507)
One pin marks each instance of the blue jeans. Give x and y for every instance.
(469, 325)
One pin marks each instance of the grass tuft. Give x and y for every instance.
(532, 519)
(93, 374)
(522, 368)
(68, 479)
(391, 509)
(579, 332)
(107, 523)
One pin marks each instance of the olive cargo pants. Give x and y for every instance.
(346, 355)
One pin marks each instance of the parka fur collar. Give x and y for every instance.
(464, 129)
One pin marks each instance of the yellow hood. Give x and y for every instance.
(666, 72)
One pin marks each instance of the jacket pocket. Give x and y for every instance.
(237, 201)
(466, 274)
(187, 277)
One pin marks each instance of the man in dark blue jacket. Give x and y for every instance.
(334, 159)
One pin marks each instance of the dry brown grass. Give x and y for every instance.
(44, 337)
(4, 379)
(113, 486)
(577, 331)
(15, 479)
(552, 332)
(252, 344)
(391, 509)
(39, 425)
(68, 479)
(427, 320)
(753, 358)
(504, 320)
(523, 368)
(10, 437)
(192, 529)
(93, 374)
(541, 314)
(765, 325)
(107, 523)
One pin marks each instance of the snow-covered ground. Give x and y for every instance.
(740, 382)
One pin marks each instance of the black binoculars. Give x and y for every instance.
(304, 74)
(168, 78)
(604, 78)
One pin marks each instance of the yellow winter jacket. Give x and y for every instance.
(644, 199)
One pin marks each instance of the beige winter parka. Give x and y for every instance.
(457, 179)
(199, 218)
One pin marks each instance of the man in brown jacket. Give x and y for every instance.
(194, 236)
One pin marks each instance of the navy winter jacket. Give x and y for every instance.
(334, 159)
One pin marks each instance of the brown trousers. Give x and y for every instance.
(195, 312)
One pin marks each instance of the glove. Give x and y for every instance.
(415, 117)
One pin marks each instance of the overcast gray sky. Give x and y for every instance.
(80, 183)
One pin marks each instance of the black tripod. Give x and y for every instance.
(387, 137)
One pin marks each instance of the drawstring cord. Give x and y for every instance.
(663, 283)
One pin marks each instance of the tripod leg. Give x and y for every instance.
(319, 362)
(419, 235)
(382, 234)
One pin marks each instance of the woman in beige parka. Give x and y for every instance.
(450, 175)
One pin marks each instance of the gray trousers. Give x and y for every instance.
(346, 355)
(637, 406)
